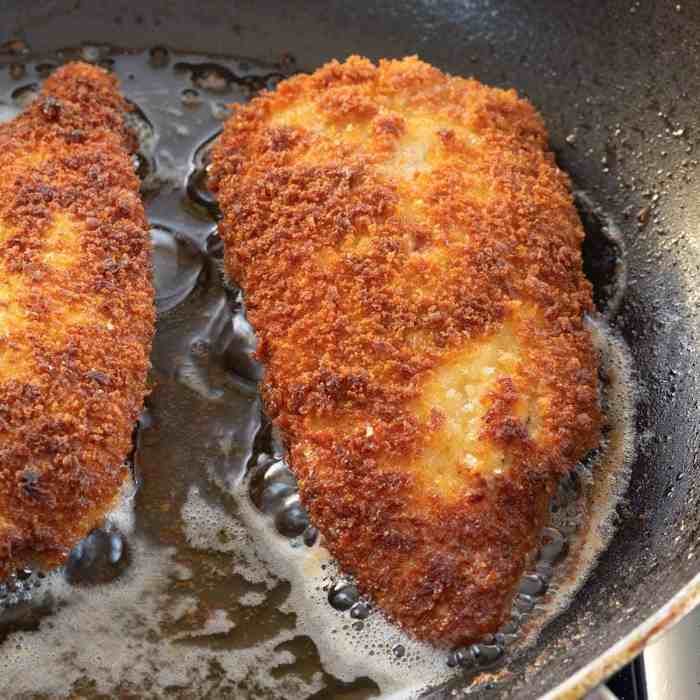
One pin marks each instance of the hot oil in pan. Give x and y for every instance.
(208, 580)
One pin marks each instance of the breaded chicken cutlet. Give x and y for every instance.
(76, 314)
(410, 255)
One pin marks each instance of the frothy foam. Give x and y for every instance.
(603, 480)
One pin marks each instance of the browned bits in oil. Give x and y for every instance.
(14, 47)
(17, 71)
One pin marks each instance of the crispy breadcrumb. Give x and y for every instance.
(410, 255)
(76, 314)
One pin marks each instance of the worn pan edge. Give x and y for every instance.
(622, 652)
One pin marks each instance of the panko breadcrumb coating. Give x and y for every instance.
(76, 314)
(411, 260)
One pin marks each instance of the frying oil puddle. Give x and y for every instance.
(209, 581)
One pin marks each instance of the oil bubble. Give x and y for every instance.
(485, 655)
(342, 596)
(553, 544)
(310, 536)
(455, 658)
(523, 603)
(190, 98)
(532, 585)
(360, 610)
(292, 519)
(100, 558)
(273, 496)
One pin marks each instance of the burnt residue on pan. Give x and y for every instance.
(209, 578)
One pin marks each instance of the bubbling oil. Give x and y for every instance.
(209, 579)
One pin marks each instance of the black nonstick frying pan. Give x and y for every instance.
(618, 86)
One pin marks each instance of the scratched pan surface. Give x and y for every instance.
(617, 85)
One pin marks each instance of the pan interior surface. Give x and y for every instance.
(621, 123)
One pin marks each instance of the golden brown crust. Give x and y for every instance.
(76, 314)
(396, 230)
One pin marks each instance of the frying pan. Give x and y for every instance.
(617, 84)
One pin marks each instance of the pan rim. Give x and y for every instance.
(623, 651)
